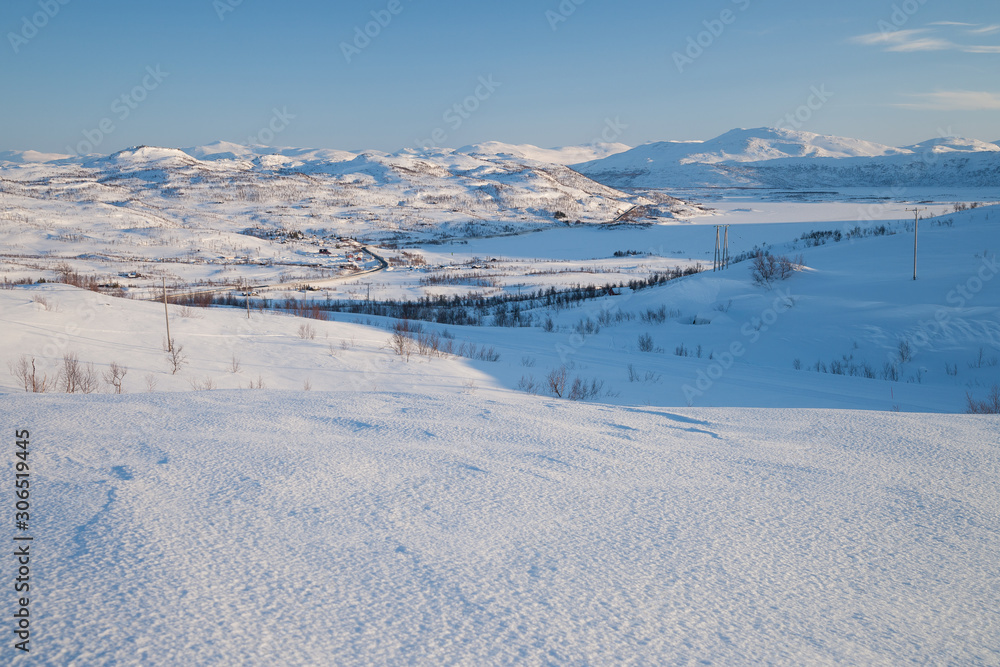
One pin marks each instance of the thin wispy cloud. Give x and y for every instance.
(894, 37)
(924, 44)
(986, 30)
(955, 100)
(927, 39)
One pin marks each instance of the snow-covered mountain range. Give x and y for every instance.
(432, 193)
(769, 157)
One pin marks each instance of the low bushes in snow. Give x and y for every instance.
(26, 372)
(988, 406)
(766, 269)
(559, 385)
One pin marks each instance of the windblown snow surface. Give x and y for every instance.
(397, 528)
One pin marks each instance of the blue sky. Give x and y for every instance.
(115, 73)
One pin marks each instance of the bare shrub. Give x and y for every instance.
(258, 383)
(150, 382)
(306, 332)
(655, 316)
(983, 360)
(648, 376)
(581, 390)
(401, 341)
(307, 385)
(234, 364)
(428, 344)
(26, 373)
(614, 316)
(905, 351)
(556, 380)
(587, 326)
(488, 354)
(528, 384)
(77, 377)
(115, 376)
(176, 357)
(202, 385)
(646, 344)
(45, 303)
(766, 268)
(988, 406)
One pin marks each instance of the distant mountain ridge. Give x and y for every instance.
(485, 189)
(770, 157)
(760, 157)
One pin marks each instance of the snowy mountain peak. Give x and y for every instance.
(777, 157)
(226, 150)
(153, 156)
(562, 155)
(30, 157)
(953, 145)
(769, 143)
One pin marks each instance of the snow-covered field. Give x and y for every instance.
(751, 473)
(390, 527)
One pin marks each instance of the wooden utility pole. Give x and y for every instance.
(715, 260)
(166, 314)
(725, 251)
(246, 291)
(721, 260)
(916, 221)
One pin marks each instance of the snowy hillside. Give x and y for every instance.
(780, 158)
(829, 336)
(291, 490)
